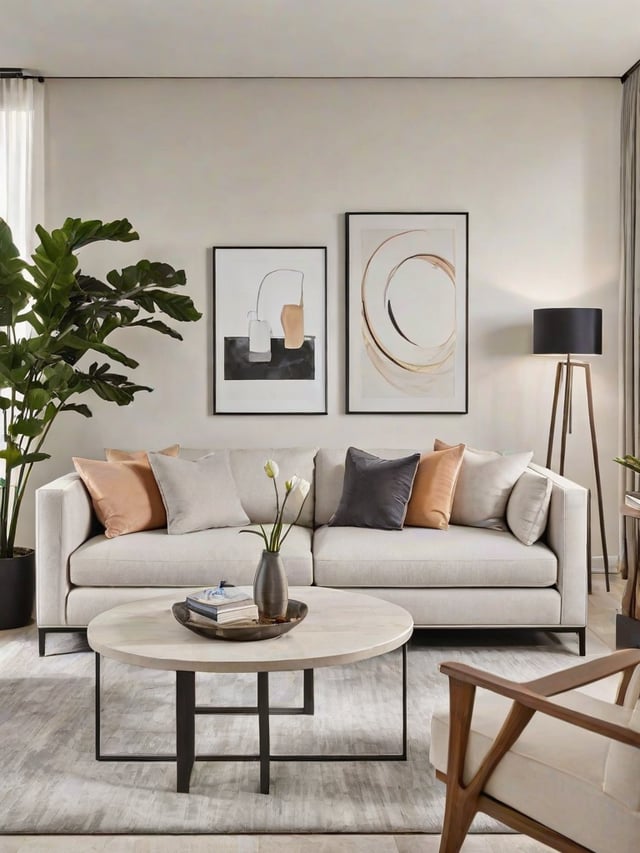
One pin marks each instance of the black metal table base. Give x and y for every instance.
(186, 711)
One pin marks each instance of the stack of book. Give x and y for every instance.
(222, 604)
(632, 499)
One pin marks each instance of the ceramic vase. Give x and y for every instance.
(270, 586)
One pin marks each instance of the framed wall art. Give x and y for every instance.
(407, 308)
(270, 330)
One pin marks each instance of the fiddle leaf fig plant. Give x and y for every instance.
(51, 316)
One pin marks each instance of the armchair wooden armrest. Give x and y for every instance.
(533, 694)
(465, 799)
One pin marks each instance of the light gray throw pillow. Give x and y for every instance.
(198, 495)
(484, 485)
(528, 507)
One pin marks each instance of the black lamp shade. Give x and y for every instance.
(567, 330)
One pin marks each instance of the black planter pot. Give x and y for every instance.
(17, 585)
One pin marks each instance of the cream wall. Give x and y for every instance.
(198, 163)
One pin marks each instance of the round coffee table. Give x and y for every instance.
(341, 627)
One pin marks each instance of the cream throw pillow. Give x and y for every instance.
(528, 507)
(484, 485)
(124, 495)
(113, 455)
(198, 495)
(433, 488)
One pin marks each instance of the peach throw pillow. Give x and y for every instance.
(433, 488)
(125, 495)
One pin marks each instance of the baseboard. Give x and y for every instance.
(597, 564)
(627, 632)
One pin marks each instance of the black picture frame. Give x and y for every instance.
(407, 307)
(255, 369)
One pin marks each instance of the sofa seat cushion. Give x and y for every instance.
(422, 557)
(554, 772)
(153, 558)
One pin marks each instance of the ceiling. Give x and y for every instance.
(321, 38)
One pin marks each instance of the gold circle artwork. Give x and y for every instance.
(408, 312)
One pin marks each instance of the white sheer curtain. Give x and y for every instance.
(22, 158)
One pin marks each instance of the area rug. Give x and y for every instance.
(51, 782)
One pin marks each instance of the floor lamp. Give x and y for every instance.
(572, 331)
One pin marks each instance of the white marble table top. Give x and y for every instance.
(341, 627)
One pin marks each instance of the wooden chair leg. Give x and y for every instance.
(463, 800)
(460, 806)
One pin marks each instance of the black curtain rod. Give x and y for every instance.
(18, 73)
(630, 71)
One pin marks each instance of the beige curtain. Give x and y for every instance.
(630, 313)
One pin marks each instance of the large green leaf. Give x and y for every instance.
(173, 304)
(37, 398)
(30, 458)
(27, 426)
(80, 408)
(11, 455)
(78, 343)
(158, 326)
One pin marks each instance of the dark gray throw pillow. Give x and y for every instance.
(375, 491)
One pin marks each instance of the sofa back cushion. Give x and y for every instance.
(255, 489)
(330, 478)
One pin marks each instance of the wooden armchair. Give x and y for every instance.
(564, 770)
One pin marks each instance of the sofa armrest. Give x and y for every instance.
(64, 520)
(566, 535)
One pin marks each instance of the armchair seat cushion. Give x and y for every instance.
(154, 559)
(553, 773)
(423, 557)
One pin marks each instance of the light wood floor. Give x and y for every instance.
(600, 638)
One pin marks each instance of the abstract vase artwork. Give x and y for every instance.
(270, 348)
(260, 332)
(407, 312)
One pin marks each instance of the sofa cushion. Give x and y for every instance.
(124, 495)
(375, 491)
(153, 558)
(484, 485)
(421, 557)
(198, 494)
(528, 506)
(553, 773)
(255, 489)
(433, 488)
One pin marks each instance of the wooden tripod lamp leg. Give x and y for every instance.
(554, 409)
(596, 465)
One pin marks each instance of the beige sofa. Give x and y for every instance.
(461, 577)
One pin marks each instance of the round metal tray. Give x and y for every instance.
(296, 611)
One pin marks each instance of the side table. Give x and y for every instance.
(628, 621)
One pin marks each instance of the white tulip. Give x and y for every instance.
(291, 484)
(303, 487)
(271, 469)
